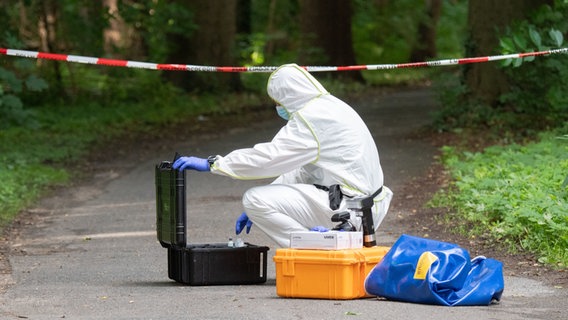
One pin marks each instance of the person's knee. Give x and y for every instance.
(252, 199)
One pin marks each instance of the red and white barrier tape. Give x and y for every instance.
(187, 67)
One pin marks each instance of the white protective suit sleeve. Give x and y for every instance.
(293, 147)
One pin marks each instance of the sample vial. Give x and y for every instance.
(231, 243)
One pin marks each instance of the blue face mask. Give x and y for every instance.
(283, 113)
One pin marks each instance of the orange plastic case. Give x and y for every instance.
(323, 274)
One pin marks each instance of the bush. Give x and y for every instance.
(538, 85)
(14, 84)
(22, 183)
(517, 194)
(536, 99)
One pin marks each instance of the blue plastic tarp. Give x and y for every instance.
(433, 272)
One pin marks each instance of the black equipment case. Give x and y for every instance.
(199, 264)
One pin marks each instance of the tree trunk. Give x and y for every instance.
(270, 30)
(487, 18)
(326, 25)
(244, 11)
(425, 45)
(113, 35)
(121, 40)
(46, 29)
(211, 44)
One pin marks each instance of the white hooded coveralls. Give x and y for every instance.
(324, 142)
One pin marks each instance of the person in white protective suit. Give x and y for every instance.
(324, 143)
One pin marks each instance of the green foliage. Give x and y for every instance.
(273, 38)
(85, 15)
(450, 37)
(22, 183)
(535, 101)
(17, 80)
(517, 194)
(14, 84)
(253, 52)
(465, 116)
(116, 85)
(155, 20)
(386, 33)
(537, 93)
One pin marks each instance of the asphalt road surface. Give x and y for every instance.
(90, 252)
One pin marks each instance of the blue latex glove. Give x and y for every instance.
(192, 163)
(243, 221)
(320, 229)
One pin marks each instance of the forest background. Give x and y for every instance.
(54, 113)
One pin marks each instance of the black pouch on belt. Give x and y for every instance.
(334, 194)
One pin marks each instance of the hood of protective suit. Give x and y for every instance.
(292, 87)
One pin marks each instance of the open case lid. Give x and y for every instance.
(170, 205)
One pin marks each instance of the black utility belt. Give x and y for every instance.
(335, 196)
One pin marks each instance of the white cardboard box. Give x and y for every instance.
(331, 240)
